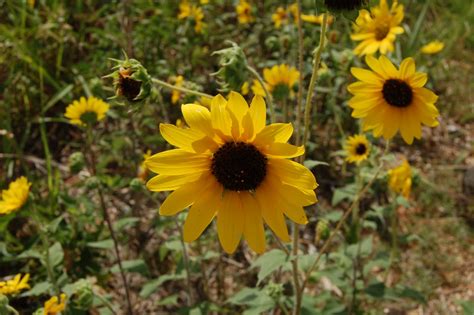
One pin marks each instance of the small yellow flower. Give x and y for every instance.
(180, 123)
(244, 12)
(204, 2)
(86, 111)
(357, 149)
(279, 80)
(433, 47)
(205, 101)
(142, 169)
(15, 196)
(294, 11)
(316, 19)
(400, 179)
(389, 100)
(175, 94)
(280, 17)
(54, 305)
(378, 28)
(15, 285)
(186, 10)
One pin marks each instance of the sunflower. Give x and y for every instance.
(15, 285)
(86, 111)
(175, 94)
(142, 173)
(433, 47)
(378, 28)
(231, 166)
(357, 149)
(15, 196)
(55, 305)
(244, 12)
(193, 12)
(388, 99)
(279, 80)
(399, 179)
(280, 17)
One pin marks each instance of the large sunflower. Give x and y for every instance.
(230, 165)
(388, 99)
(378, 28)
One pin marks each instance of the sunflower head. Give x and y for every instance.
(228, 164)
(244, 12)
(280, 80)
(86, 112)
(232, 71)
(357, 149)
(15, 196)
(280, 17)
(376, 30)
(131, 80)
(389, 100)
(400, 179)
(15, 285)
(55, 305)
(432, 48)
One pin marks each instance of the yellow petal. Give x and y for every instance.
(418, 80)
(278, 132)
(253, 225)
(177, 162)
(388, 67)
(407, 68)
(283, 150)
(171, 182)
(247, 128)
(183, 197)
(292, 173)
(202, 212)
(258, 112)
(220, 117)
(198, 117)
(366, 76)
(237, 105)
(184, 138)
(230, 221)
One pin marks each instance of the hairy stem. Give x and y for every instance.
(180, 88)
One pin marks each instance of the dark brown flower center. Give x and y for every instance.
(129, 88)
(338, 5)
(382, 31)
(397, 93)
(361, 149)
(239, 166)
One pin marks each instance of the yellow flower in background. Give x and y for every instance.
(15, 196)
(204, 1)
(399, 179)
(244, 90)
(15, 285)
(205, 101)
(389, 100)
(186, 10)
(357, 149)
(86, 111)
(180, 123)
(294, 11)
(280, 17)
(244, 12)
(54, 305)
(142, 169)
(175, 94)
(231, 166)
(279, 80)
(316, 19)
(433, 47)
(378, 28)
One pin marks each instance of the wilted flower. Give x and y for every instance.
(400, 179)
(233, 67)
(131, 80)
(15, 196)
(54, 305)
(15, 285)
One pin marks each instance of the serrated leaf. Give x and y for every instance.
(56, 254)
(269, 262)
(39, 289)
(347, 192)
(152, 286)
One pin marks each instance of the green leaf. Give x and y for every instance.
(169, 300)
(467, 307)
(257, 300)
(125, 222)
(333, 216)
(269, 262)
(313, 163)
(402, 202)
(105, 244)
(56, 254)
(135, 265)
(39, 289)
(376, 290)
(53, 225)
(152, 286)
(347, 192)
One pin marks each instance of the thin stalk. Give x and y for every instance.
(91, 165)
(307, 114)
(344, 217)
(12, 310)
(180, 88)
(186, 265)
(268, 95)
(300, 79)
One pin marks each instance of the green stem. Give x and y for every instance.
(344, 217)
(12, 310)
(180, 88)
(268, 95)
(300, 79)
(186, 265)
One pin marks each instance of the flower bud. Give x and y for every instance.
(76, 162)
(322, 230)
(233, 68)
(4, 305)
(274, 290)
(84, 296)
(131, 80)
